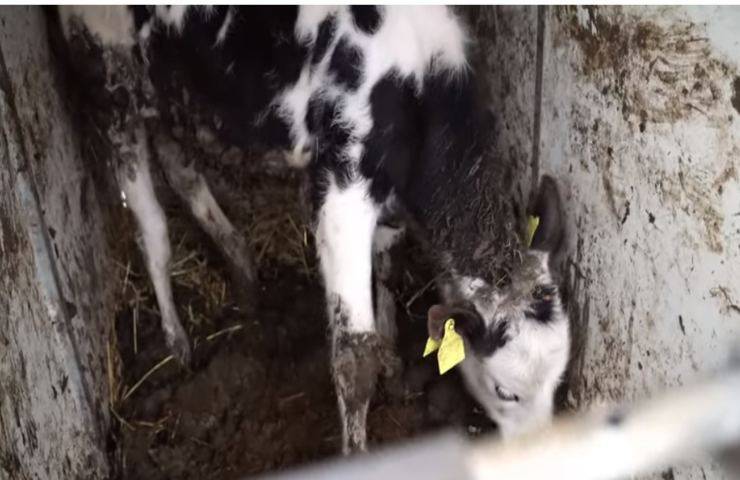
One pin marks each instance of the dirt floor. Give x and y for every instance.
(259, 396)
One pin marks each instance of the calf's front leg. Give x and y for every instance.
(386, 237)
(346, 223)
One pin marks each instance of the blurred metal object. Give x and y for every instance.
(677, 426)
(441, 457)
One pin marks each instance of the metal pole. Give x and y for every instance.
(678, 426)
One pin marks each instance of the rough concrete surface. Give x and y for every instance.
(640, 123)
(54, 312)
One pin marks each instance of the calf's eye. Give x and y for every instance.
(544, 292)
(505, 395)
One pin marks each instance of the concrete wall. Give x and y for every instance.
(54, 311)
(637, 112)
(640, 120)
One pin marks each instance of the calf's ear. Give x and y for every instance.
(548, 207)
(436, 318)
(467, 321)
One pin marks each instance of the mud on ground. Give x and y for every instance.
(259, 396)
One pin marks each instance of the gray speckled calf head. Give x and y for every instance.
(517, 337)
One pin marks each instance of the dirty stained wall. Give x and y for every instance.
(641, 123)
(55, 313)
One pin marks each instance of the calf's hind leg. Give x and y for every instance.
(135, 181)
(192, 188)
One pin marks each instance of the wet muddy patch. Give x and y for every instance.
(659, 74)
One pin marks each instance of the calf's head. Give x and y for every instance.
(517, 339)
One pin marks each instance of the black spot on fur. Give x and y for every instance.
(366, 18)
(540, 311)
(332, 141)
(543, 292)
(395, 135)
(483, 340)
(346, 65)
(311, 113)
(327, 29)
(542, 305)
(615, 418)
(142, 14)
(448, 122)
(231, 83)
(493, 339)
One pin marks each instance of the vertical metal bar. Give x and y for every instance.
(536, 129)
(678, 426)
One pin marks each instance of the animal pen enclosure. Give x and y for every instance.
(635, 110)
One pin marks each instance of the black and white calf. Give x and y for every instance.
(381, 105)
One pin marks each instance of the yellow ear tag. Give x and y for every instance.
(452, 348)
(431, 346)
(532, 224)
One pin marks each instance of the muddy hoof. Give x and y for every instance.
(391, 369)
(179, 345)
(445, 403)
(392, 364)
(244, 288)
(394, 386)
(418, 375)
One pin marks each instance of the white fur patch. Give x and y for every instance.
(386, 237)
(299, 157)
(112, 24)
(530, 363)
(172, 16)
(344, 237)
(145, 32)
(141, 198)
(530, 366)
(309, 18)
(224, 30)
(292, 105)
(410, 37)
